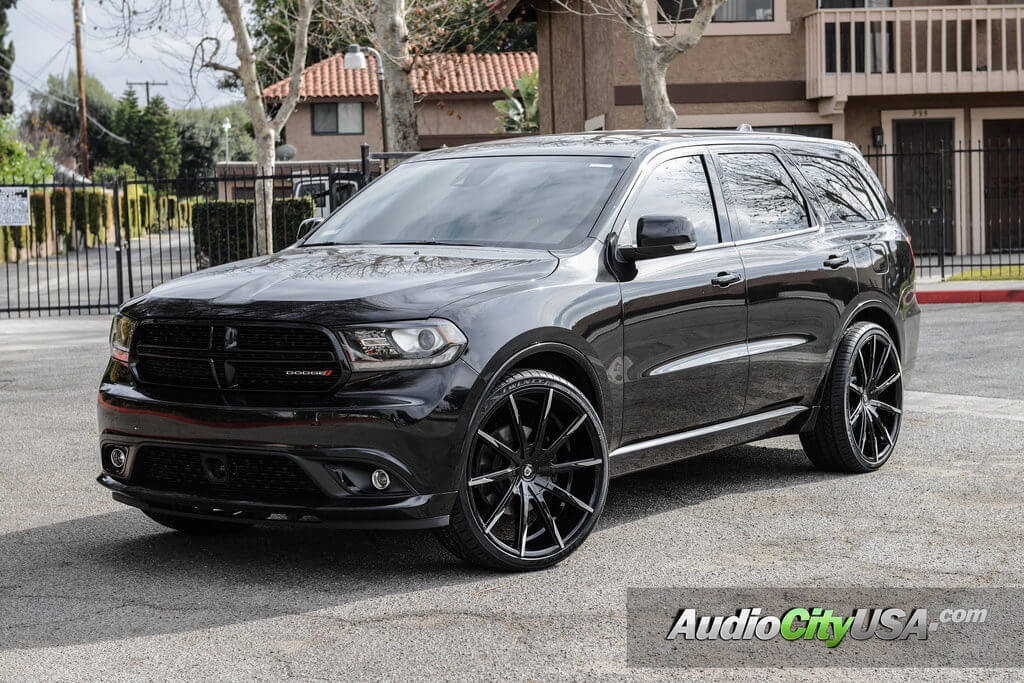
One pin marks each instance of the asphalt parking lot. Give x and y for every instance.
(90, 589)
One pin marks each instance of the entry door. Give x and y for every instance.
(924, 182)
(1004, 185)
(684, 337)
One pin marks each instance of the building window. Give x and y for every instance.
(337, 118)
(675, 11)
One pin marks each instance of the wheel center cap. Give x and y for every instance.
(528, 471)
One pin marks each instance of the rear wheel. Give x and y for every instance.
(535, 475)
(862, 407)
(195, 526)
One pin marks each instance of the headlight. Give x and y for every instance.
(121, 331)
(397, 346)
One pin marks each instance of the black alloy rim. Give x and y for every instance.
(874, 398)
(536, 471)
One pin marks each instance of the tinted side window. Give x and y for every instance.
(761, 196)
(844, 195)
(680, 187)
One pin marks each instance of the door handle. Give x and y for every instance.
(836, 261)
(725, 279)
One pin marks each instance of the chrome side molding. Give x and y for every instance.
(725, 353)
(704, 431)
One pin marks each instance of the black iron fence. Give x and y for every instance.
(87, 248)
(963, 205)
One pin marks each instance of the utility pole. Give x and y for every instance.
(81, 89)
(147, 84)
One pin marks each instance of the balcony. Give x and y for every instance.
(914, 51)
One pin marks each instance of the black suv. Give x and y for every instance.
(480, 338)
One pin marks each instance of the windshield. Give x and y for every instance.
(542, 202)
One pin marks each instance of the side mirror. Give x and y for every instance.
(307, 226)
(658, 236)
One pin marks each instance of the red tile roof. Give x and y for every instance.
(437, 74)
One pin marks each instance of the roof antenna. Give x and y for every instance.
(745, 128)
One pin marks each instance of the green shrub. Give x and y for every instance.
(60, 208)
(40, 216)
(223, 230)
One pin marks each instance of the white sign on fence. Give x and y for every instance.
(14, 206)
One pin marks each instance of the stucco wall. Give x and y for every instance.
(454, 116)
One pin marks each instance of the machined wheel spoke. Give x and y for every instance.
(855, 388)
(880, 366)
(569, 431)
(549, 520)
(566, 496)
(885, 406)
(856, 413)
(877, 422)
(520, 432)
(492, 477)
(557, 467)
(542, 422)
(499, 510)
(887, 383)
(862, 441)
(499, 446)
(524, 517)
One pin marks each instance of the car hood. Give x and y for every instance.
(343, 284)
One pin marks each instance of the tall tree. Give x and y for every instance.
(52, 107)
(201, 136)
(191, 17)
(161, 155)
(127, 123)
(653, 52)
(6, 61)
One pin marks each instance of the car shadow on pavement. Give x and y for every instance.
(118, 575)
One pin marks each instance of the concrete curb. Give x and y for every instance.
(969, 296)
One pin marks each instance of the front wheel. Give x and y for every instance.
(535, 476)
(862, 406)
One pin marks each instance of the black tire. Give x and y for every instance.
(862, 404)
(195, 526)
(563, 481)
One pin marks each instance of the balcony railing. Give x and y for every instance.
(914, 50)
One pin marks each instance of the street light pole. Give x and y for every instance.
(355, 58)
(226, 126)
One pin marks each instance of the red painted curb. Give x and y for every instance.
(969, 296)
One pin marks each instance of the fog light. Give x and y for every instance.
(380, 479)
(118, 458)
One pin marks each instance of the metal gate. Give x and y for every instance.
(90, 247)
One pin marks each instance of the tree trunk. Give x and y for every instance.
(266, 131)
(400, 104)
(658, 111)
(263, 227)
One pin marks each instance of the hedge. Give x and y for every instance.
(223, 230)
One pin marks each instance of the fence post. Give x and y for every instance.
(364, 157)
(117, 242)
(943, 216)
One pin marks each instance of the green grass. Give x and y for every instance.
(994, 273)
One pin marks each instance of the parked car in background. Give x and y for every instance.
(483, 336)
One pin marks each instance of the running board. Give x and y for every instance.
(704, 431)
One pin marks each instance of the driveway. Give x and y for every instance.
(90, 589)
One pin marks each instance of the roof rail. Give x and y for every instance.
(745, 128)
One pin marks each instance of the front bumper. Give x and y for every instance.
(411, 424)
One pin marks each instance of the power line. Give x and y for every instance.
(73, 105)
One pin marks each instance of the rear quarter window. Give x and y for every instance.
(842, 190)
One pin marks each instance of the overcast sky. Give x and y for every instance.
(43, 33)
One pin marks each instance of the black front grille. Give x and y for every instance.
(253, 477)
(237, 357)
